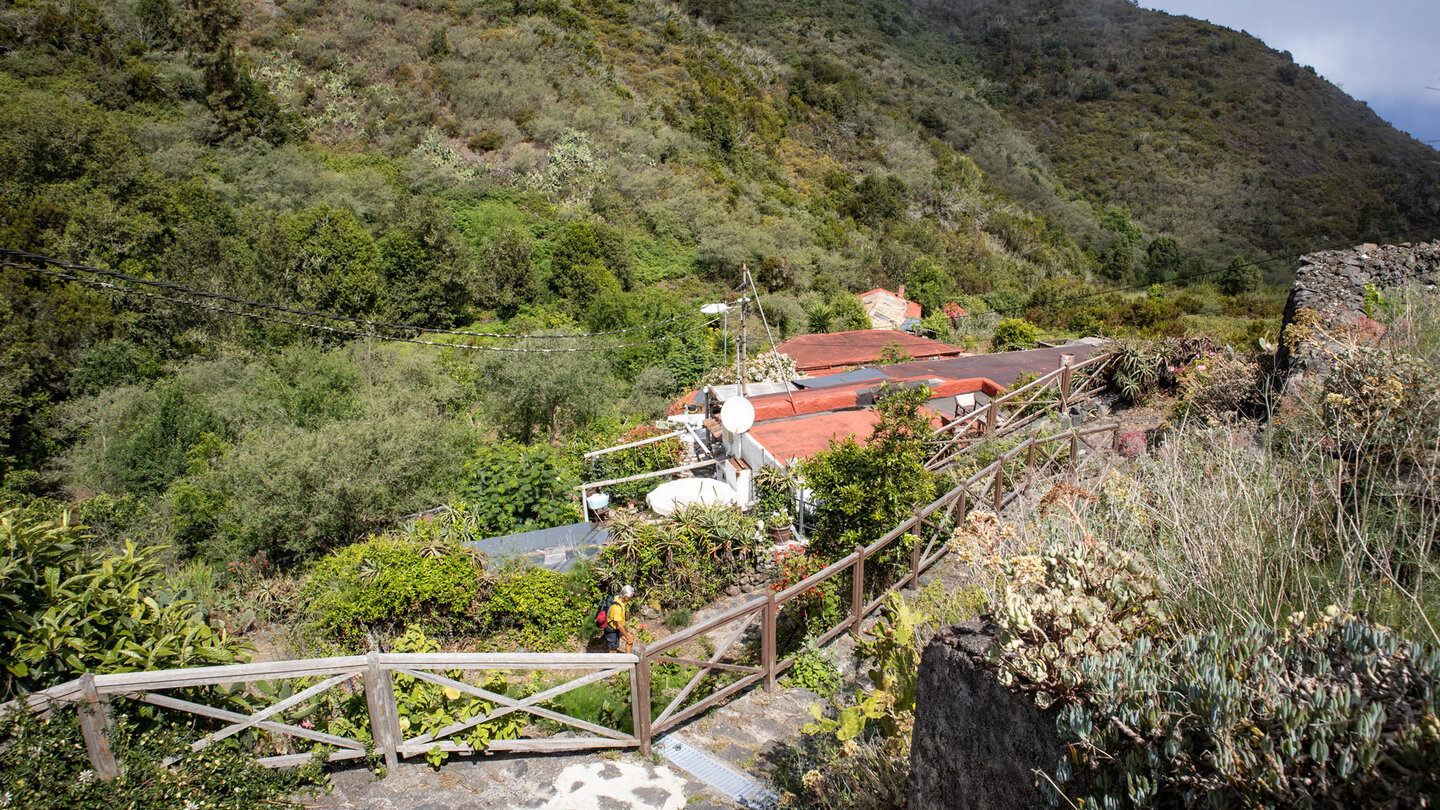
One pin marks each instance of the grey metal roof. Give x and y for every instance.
(557, 548)
(754, 389)
(845, 378)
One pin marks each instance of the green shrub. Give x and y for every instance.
(44, 766)
(68, 609)
(426, 708)
(678, 618)
(486, 140)
(387, 583)
(533, 608)
(1340, 713)
(814, 670)
(1014, 333)
(513, 488)
(862, 492)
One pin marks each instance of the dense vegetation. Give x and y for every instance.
(376, 172)
(1244, 615)
(600, 165)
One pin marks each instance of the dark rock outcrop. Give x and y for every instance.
(1332, 284)
(977, 744)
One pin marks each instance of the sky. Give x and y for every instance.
(1385, 52)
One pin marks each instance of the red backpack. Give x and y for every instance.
(602, 615)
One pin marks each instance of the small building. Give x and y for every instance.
(889, 310)
(557, 548)
(821, 353)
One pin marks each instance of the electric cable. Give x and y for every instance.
(104, 285)
(53, 262)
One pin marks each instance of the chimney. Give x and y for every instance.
(902, 291)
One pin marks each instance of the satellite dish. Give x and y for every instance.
(713, 309)
(737, 415)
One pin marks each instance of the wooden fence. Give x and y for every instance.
(1070, 384)
(995, 487)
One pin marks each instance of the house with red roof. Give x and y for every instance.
(826, 352)
(890, 310)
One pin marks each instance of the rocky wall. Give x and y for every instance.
(976, 744)
(1332, 284)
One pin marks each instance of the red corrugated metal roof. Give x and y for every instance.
(843, 397)
(803, 437)
(857, 347)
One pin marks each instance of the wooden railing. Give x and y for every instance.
(996, 487)
(1070, 384)
(92, 695)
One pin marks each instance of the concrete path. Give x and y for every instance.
(571, 782)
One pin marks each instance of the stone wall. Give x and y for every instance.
(976, 743)
(1332, 283)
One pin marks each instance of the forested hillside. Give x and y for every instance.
(1203, 133)
(602, 164)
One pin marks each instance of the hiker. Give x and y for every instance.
(615, 628)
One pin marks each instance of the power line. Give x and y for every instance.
(37, 259)
(335, 330)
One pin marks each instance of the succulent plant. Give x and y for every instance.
(1068, 603)
(1337, 713)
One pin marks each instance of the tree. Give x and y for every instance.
(861, 492)
(587, 258)
(508, 277)
(241, 105)
(875, 200)
(850, 312)
(1240, 277)
(1014, 333)
(333, 262)
(819, 316)
(929, 285)
(547, 394)
(430, 277)
(1162, 260)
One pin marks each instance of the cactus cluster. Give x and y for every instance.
(1064, 605)
(1338, 713)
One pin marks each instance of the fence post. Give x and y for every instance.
(1029, 463)
(999, 487)
(857, 591)
(915, 549)
(640, 697)
(767, 641)
(1066, 362)
(1115, 438)
(384, 714)
(1074, 450)
(992, 416)
(95, 726)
